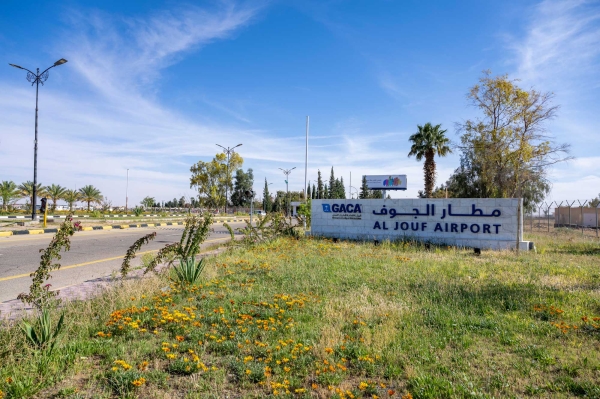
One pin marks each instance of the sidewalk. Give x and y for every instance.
(14, 309)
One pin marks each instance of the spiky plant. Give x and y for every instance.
(428, 142)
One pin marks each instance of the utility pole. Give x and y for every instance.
(306, 167)
(227, 151)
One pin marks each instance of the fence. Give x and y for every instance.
(565, 214)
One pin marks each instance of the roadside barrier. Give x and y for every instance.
(9, 233)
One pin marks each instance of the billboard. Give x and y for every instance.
(386, 182)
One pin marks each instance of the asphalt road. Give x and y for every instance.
(93, 254)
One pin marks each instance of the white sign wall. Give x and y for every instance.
(480, 223)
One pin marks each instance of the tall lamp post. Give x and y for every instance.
(127, 191)
(352, 187)
(227, 151)
(287, 172)
(36, 78)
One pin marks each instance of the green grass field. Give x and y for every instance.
(310, 318)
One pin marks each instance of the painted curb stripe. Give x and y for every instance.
(36, 231)
(6, 233)
(99, 261)
(87, 228)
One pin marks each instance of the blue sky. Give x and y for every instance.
(153, 85)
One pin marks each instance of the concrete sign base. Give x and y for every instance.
(479, 222)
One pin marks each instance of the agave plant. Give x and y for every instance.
(43, 337)
(189, 270)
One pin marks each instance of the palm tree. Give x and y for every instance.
(428, 142)
(55, 192)
(8, 192)
(90, 194)
(71, 196)
(26, 190)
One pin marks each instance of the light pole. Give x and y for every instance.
(227, 151)
(287, 174)
(126, 191)
(352, 187)
(36, 78)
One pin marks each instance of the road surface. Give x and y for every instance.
(93, 254)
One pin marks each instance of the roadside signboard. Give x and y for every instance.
(386, 182)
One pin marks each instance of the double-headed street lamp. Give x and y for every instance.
(227, 151)
(287, 172)
(36, 78)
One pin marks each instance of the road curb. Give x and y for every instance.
(114, 227)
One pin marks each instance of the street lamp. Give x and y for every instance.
(352, 187)
(287, 174)
(227, 151)
(36, 78)
(126, 191)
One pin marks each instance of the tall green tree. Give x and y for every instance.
(267, 201)
(90, 194)
(8, 192)
(71, 197)
(55, 192)
(364, 189)
(332, 189)
(212, 178)
(148, 201)
(314, 191)
(320, 194)
(506, 152)
(308, 193)
(244, 181)
(26, 190)
(428, 142)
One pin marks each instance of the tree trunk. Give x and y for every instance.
(429, 169)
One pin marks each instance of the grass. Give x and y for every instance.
(315, 319)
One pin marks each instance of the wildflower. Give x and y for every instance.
(287, 369)
(363, 385)
(180, 338)
(9, 380)
(139, 382)
(300, 390)
(329, 350)
(407, 396)
(248, 372)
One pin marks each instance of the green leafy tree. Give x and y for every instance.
(148, 202)
(267, 201)
(428, 142)
(90, 194)
(71, 197)
(314, 191)
(244, 181)
(211, 178)
(55, 192)
(507, 151)
(26, 190)
(8, 192)
(308, 193)
(594, 202)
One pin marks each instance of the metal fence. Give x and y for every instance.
(576, 215)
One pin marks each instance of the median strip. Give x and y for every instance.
(118, 227)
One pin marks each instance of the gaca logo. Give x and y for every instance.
(342, 208)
